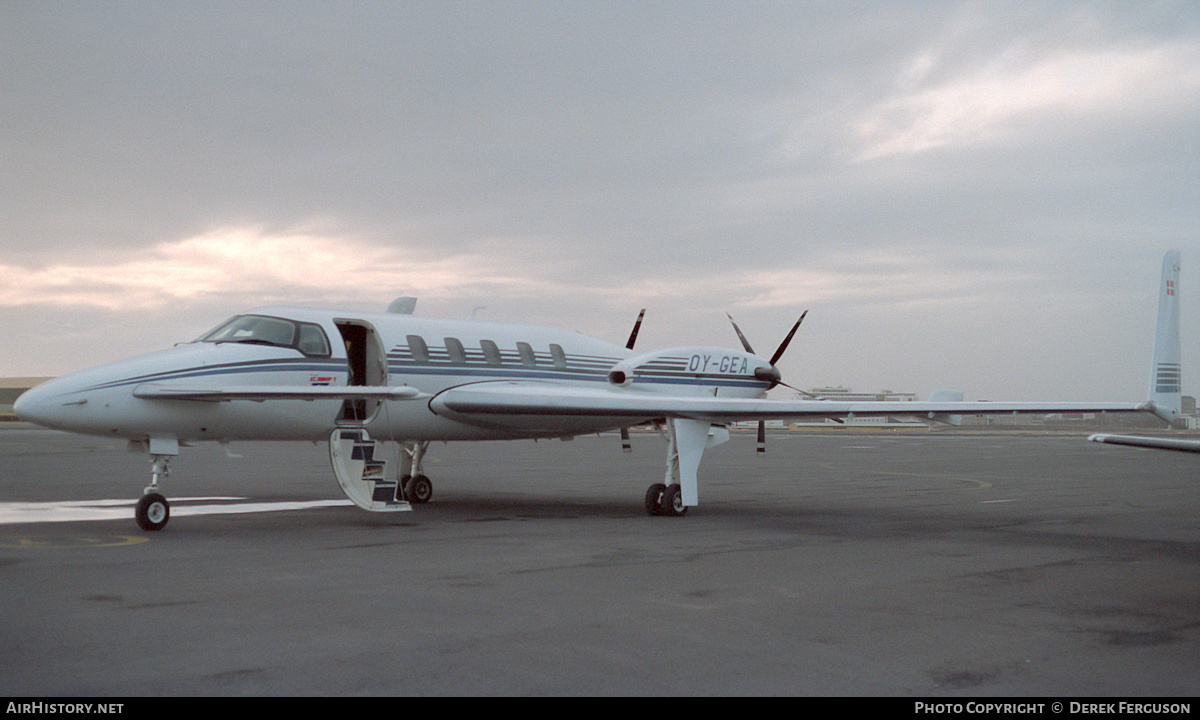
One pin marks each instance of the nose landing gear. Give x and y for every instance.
(153, 511)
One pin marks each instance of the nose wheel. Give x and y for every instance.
(152, 512)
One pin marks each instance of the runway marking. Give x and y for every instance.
(72, 541)
(16, 513)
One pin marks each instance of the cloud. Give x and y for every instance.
(1018, 89)
(254, 262)
(257, 266)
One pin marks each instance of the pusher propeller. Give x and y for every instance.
(787, 340)
(636, 327)
(772, 373)
(626, 446)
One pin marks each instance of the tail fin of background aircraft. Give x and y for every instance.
(946, 396)
(1165, 366)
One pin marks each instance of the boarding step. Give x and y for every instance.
(361, 467)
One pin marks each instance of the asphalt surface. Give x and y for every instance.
(934, 564)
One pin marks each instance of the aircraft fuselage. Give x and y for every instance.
(298, 347)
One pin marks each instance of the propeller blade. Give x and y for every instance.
(783, 346)
(738, 330)
(636, 326)
(802, 392)
(762, 436)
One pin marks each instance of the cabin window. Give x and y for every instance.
(491, 353)
(418, 349)
(526, 352)
(557, 356)
(454, 348)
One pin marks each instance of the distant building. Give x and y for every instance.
(848, 395)
(845, 394)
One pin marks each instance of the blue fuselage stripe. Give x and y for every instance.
(597, 374)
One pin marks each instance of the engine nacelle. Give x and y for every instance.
(696, 371)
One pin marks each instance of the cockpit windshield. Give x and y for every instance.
(308, 338)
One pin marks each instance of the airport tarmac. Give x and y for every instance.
(918, 564)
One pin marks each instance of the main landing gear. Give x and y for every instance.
(666, 498)
(686, 440)
(415, 485)
(363, 470)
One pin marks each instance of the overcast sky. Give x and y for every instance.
(974, 195)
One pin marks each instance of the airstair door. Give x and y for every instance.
(359, 463)
(367, 362)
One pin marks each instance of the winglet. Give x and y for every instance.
(1165, 395)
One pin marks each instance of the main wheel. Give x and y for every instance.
(654, 498)
(418, 489)
(672, 501)
(152, 512)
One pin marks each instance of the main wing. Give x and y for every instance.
(494, 400)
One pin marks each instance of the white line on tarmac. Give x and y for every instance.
(15, 513)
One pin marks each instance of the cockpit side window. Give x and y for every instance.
(312, 341)
(308, 338)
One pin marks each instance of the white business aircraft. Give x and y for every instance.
(361, 380)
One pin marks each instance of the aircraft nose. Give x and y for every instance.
(29, 404)
(40, 404)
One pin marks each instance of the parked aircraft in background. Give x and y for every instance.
(1166, 377)
(363, 380)
(1158, 443)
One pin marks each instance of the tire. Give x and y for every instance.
(152, 512)
(654, 498)
(418, 489)
(672, 502)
